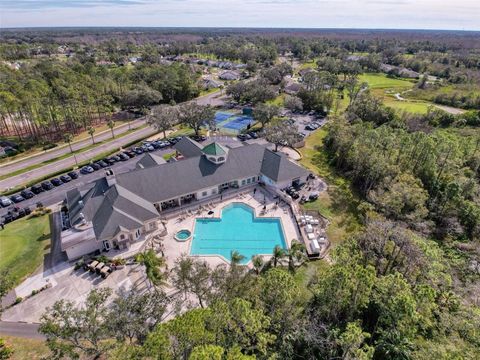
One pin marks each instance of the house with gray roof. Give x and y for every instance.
(119, 210)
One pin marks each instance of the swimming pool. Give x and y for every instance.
(238, 229)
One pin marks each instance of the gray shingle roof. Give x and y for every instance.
(109, 209)
(188, 147)
(277, 167)
(171, 180)
(149, 160)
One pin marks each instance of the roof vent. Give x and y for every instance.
(80, 202)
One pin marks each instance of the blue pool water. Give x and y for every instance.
(238, 229)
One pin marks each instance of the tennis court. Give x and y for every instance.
(232, 122)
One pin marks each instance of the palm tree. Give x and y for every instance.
(257, 262)
(111, 125)
(296, 253)
(68, 139)
(152, 264)
(278, 253)
(91, 131)
(236, 258)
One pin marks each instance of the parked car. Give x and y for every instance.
(47, 185)
(17, 198)
(27, 194)
(37, 189)
(123, 157)
(198, 138)
(138, 150)
(253, 135)
(86, 170)
(95, 166)
(73, 174)
(313, 196)
(310, 127)
(102, 163)
(242, 137)
(116, 158)
(65, 178)
(56, 182)
(129, 153)
(5, 201)
(109, 160)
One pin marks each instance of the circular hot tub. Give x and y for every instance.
(183, 235)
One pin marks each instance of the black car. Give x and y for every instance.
(73, 174)
(37, 189)
(27, 194)
(17, 198)
(56, 182)
(253, 135)
(129, 153)
(123, 157)
(65, 178)
(242, 137)
(47, 185)
(102, 163)
(116, 158)
(95, 166)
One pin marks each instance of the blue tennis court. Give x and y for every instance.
(232, 122)
(238, 122)
(221, 116)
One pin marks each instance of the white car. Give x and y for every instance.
(5, 201)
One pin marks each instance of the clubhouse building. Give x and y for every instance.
(118, 210)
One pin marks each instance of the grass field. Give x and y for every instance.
(381, 81)
(338, 203)
(23, 244)
(32, 349)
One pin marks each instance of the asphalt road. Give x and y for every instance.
(17, 329)
(57, 152)
(70, 161)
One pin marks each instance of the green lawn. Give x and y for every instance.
(279, 100)
(420, 107)
(381, 81)
(23, 244)
(338, 203)
(32, 349)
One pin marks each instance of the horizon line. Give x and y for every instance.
(229, 28)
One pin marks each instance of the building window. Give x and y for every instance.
(212, 159)
(152, 225)
(204, 193)
(253, 179)
(214, 191)
(221, 158)
(106, 245)
(248, 181)
(122, 236)
(243, 182)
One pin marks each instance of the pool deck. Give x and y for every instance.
(173, 249)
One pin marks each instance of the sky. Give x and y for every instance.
(380, 14)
